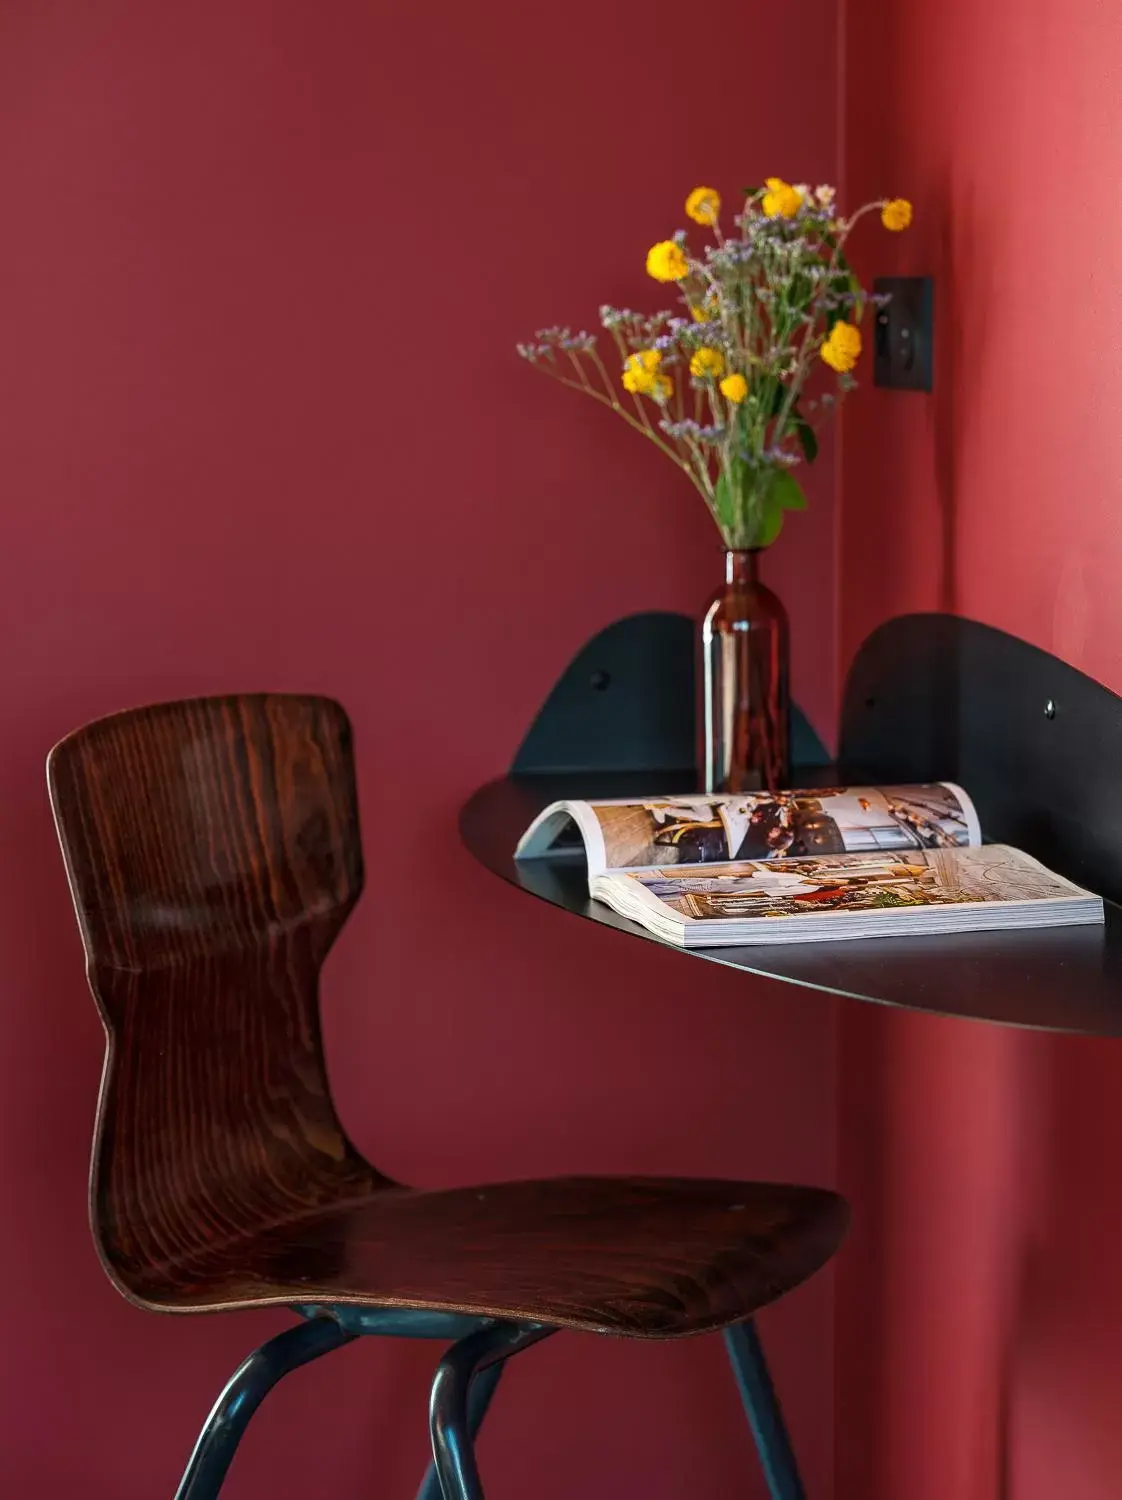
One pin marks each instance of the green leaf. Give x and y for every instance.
(840, 286)
(785, 491)
(844, 282)
(772, 520)
(807, 439)
(859, 292)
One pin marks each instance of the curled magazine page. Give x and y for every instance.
(635, 834)
(550, 835)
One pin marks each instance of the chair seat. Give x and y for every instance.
(649, 1258)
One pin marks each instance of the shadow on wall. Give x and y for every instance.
(942, 1200)
(964, 303)
(1066, 1371)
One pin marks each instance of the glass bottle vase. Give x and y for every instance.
(745, 648)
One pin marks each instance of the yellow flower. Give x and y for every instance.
(781, 200)
(640, 370)
(896, 214)
(665, 261)
(734, 388)
(663, 388)
(703, 205)
(841, 349)
(707, 363)
(706, 312)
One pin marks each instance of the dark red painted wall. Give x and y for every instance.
(980, 1303)
(262, 265)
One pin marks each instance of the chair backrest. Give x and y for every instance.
(213, 853)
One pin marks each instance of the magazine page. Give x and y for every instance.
(659, 831)
(849, 895)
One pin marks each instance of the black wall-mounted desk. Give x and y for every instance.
(1061, 978)
(1037, 745)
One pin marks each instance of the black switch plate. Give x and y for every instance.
(904, 332)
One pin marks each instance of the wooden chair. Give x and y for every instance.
(213, 853)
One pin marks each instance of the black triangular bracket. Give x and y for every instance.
(627, 702)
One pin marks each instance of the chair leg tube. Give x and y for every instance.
(765, 1417)
(480, 1391)
(450, 1419)
(250, 1384)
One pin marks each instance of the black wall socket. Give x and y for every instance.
(904, 332)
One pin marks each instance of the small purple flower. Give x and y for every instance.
(712, 334)
(612, 317)
(693, 431)
(730, 255)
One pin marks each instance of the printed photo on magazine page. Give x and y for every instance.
(825, 821)
(798, 888)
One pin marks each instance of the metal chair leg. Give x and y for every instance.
(244, 1393)
(765, 1417)
(480, 1391)
(450, 1415)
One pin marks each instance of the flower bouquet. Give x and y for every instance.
(725, 387)
(721, 385)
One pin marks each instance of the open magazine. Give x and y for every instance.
(832, 862)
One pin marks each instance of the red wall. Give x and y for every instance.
(261, 426)
(980, 1303)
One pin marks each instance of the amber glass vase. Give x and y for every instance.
(746, 708)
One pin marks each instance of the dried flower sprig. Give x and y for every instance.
(721, 387)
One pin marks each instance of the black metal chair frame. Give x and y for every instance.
(462, 1388)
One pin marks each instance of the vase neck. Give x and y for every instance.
(742, 566)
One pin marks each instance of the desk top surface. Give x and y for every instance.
(1066, 979)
